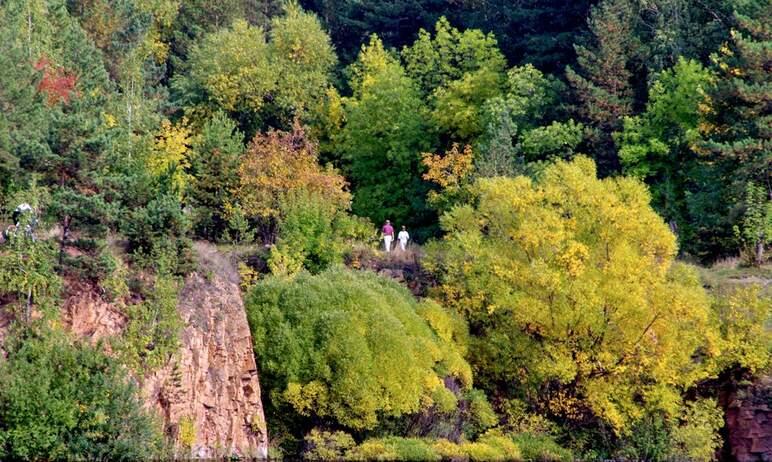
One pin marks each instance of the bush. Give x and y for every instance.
(323, 445)
(348, 347)
(66, 401)
(697, 438)
(159, 228)
(412, 449)
(314, 233)
(541, 448)
(153, 332)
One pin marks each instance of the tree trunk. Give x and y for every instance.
(759, 252)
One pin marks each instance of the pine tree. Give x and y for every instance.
(740, 131)
(602, 83)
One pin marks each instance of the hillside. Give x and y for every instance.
(531, 230)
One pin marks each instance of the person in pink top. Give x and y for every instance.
(388, 235)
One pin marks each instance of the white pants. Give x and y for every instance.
(387, 240)
(402, 244)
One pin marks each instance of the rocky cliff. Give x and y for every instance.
(749, 422)
(208, 394)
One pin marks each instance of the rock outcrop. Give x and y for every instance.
(208, 394)
(749, 422)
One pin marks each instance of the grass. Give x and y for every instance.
(730, 272)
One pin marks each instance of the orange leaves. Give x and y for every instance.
(451, 169)
(279, 162)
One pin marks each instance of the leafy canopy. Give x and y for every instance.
(351, 347)
(277, 163)
(65, 400)
(386, 129)
(571, 283)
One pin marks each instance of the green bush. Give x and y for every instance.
(314, 233)
(489, 447)
(323, 445)
(152, 334)
(159, 230)
(541, 448)
(61, 400)
(27, 275)
(349, 347)
(412, 449)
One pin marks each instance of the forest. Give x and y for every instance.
(586, 184)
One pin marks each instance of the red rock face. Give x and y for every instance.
(211, 383)
(213, 380)
(749, 422)
(87, 315)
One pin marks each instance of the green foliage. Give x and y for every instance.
(541, 448)
(552, 276)
(27, 274)
(214, 162)
(524, 125)
(603, 83)
(386, 130)
(658, 146)
(65, 400)
(302, 56)
(323, 445)
(113, 283)
(159, 229)
(460, 71)
(231, 67)
(755, 229)
(434, 62)
(489, 447)
(239, 71)
(314, 233)
(649, 439)
(458, 105)
(697, 438)
(347, 347)
(152, 334)
(744, 315)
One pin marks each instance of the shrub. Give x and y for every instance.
(27, 275)
(412, 449)
(349, 347)
(160, 227)
(697, 438)
(314, 233)
(323, 445)
(186, 434)
(373, 449)
(152, 333)
(68, 401)
(541, 448)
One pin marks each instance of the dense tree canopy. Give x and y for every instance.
(286, 133)
(386, 129)
(571, 284)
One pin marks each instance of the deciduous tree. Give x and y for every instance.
(572, 289)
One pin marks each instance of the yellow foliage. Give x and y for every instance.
(170, 154)
(186, 435)
(451, 169)
(277, 163)
(248, 276)
(578, 277)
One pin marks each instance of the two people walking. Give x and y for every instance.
(388, 236)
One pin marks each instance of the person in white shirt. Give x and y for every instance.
(403, 237)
